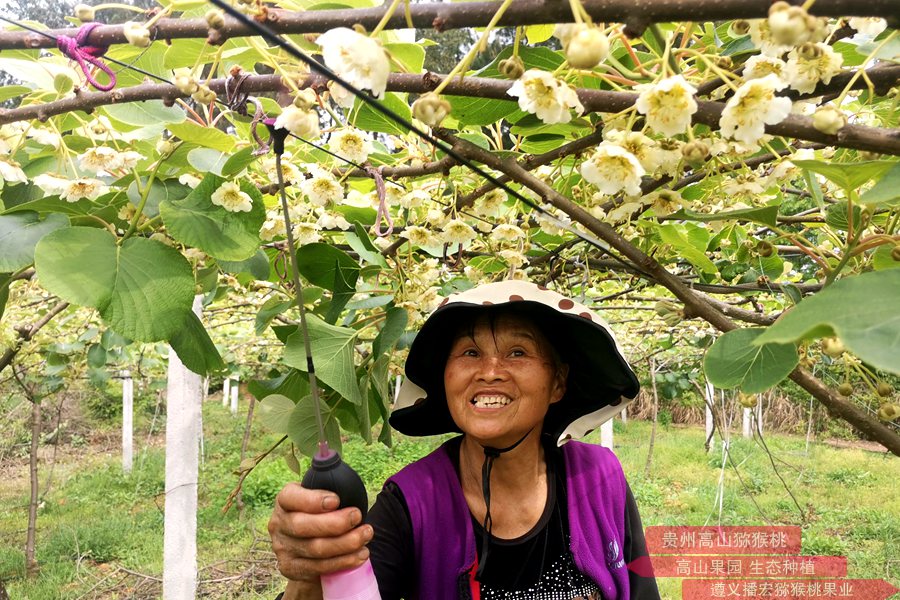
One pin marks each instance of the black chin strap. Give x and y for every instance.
(490, 453)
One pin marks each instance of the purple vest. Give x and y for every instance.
(444, 542)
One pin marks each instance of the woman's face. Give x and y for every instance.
(501, 379)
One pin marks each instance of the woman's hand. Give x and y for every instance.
(310, 537)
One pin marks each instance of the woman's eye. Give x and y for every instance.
(470, 352)
(517, 352)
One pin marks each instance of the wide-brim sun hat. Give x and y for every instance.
(600, 381)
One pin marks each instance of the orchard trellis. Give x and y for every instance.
(734, 148)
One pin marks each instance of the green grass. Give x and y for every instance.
(95, 520)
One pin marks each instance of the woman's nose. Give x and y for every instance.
(492, 368)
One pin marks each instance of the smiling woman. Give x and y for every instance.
(512, 508)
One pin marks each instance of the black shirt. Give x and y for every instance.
(537, 565)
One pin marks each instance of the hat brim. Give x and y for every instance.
(598, 374)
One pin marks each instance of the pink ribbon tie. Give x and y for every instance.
(75, 48)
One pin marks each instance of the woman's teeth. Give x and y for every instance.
(490, 401)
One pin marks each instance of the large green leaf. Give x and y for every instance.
(885, 193)
(275, 412)
(320, 262)
(194, 347)
(293, 383)
(20, 233)
(395, 320)
(369, 119)
(411, 56)
(733, 361)
(332, 350)
(149, 112)
(257, 265)
(4, 292)
(223, 234)
(675, 237)
(208, 137)
(863, 311)
(767, 215)
(142, 289)
(882, 259)
(304, 432)
(849, 176)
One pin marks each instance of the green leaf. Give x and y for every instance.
(332, 349)
(303, 431)
(207, 160)
(849, 176)
(19, 234)
(358, 239)
(480, 111)
(836, 216)
(675, 237)
(268, 311)
(149, 112)
(12, 91)
(142, 289)
(395, 321)
(194, 347)
(733, 361)
(208, 137)
(767, 215)
(196, 221)
(238, 161)
(257, 265)
(4, 292)
(860, 310)
(344, 288)
(275, 412)
(319, 263)
(411, 56)
(96, 356)
(160, 190)
(885, 193)
(882, 259)
(536, 34)
(368, 119)
(294, 384)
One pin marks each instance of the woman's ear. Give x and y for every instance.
(559, 384)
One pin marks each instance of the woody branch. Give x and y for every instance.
(860, 137)
(637, 14)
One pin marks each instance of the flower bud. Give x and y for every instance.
(136, 34)
(889, 412)
(512, 67)
(204, 95)
(845, 389)
(833, 347)
(789, 25)
(215, 18)
(884, 389)
(431, 109)
(740, 27)
(165, 147)
(765, 248)
(185, 81)
(587, 48)
(747, 400)
(84, 13)
(695, 152)
(829, 119)
(724, 62)
(895, 253)
(306, 99)
(810, 51)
